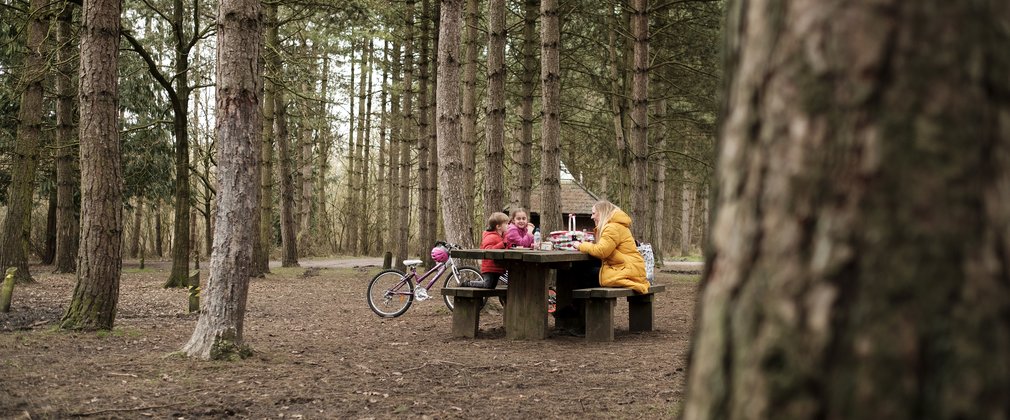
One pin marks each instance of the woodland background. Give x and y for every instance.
(348, 158)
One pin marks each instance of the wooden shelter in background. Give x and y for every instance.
(575, 199)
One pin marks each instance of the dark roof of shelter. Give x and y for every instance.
(575, 198)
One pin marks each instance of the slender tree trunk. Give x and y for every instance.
(272, 66)
(432, 183)
(66, 175)
(138, 212)
(366, 166)
(529, 78)
(158, 239)
(323, 157)
(180, 248)
(24, 162)
(218, 333)
(494, 184)
(407, 139)
(640, 118)
(305, 226)
(617, 107)
(469, 110)
(859, 260)
(381, 204)
(395, 136)
(686, 216)
(355, 211)
(424, 143)
(349, 210)
(289, 242)
(550, 79)
(49, 249)
(99, 262)
(658, 201)
(457, 219)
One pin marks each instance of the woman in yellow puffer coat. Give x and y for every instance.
(622, 266)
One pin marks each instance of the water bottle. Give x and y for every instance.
(536, 238)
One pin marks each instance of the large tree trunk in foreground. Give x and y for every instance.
(550, 77)
(407, 133)
(218, 333)
(521, 192)
(99, 262)
(457, 219)
(640, 118)
(861, 235)
(494, 183)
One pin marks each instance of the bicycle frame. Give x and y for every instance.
(438, 270)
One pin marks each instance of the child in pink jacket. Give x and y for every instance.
(520, 230)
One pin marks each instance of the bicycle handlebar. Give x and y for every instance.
(448, 245)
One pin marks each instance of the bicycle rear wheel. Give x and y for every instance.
(465, 274)
(390, 293)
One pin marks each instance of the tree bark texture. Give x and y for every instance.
(432, 183)
(271, 66)
(424, 143)
(494, 183)
(183, 196)
(17, 223)
(859, 260)
(407, 136)
(529, 80)
(687, 197)
(381, 203)
(289, 240)
(395, 135)
(306, 231)
(658, 198)
(67, 184)
(468, 150)
(550, 78)
(366, 192)
(640, 118)
(99, 262)
(218, 332)
(458, 228)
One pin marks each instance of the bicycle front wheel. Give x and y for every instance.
(390, 293)
(465, 274)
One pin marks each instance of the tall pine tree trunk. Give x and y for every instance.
(272, 65)
(640, 118)
(289, 241)
(305, 227)
(183, 198)
(407, 138)
(381, 209)
(67, 184)
(658, 197)
(24, 162)
(218, 333)
(529, 78)
(395, 134)
(859, 257)
(424, 144)
(364, 238)
(550, 79)
(99, 263)
(494, 184)
(432, 183)
(457, 219)
(686, 215)
(469, 110)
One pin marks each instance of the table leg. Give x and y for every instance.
(570, 315)
(526, 314)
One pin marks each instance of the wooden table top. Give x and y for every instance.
(526, 255)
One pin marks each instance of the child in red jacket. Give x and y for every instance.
(493, 239)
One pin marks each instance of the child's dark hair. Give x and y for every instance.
(496, 219)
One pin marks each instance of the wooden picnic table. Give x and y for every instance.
(526, 310)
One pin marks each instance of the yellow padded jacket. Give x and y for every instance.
(622, 266)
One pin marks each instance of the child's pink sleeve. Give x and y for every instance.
(519, 237)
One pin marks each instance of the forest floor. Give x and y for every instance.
(320, 352)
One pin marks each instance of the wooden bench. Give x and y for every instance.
(467, 303)
(599, 304)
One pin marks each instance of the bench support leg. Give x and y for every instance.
(600, 319)
(465, 317)
(640, 313)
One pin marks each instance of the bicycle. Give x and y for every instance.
(391, 292)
